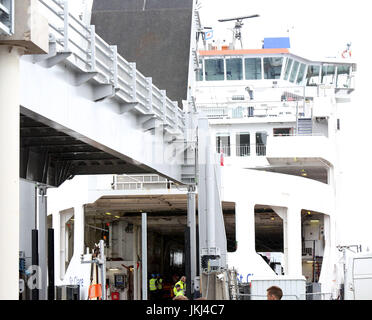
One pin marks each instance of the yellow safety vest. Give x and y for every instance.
(179, 293)
(183, 287)
(160, 284)
(152, 284)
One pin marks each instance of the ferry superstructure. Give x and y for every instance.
(277, 116)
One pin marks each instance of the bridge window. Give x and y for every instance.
(223, 143)
(288, 68)
(328, 74)
(253, 69)
(312, 77)
(214, 70)
(292, 78)
(343, 76)
(273, 67)
(200, 72)
(301, 73)
(234, 69)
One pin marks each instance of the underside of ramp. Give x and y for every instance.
(50, 155)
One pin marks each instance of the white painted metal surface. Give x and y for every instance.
(9, 171)
(294, 288)
(362, 274)
(358, 277)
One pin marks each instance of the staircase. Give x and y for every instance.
(305, 127)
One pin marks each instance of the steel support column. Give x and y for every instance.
(144, 256)
(191, 224)
(43, 240)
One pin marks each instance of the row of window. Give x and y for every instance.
(219, 69)
(236, 69)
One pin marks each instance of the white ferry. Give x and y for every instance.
(276, 118)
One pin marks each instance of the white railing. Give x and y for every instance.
(265, 102)
(141, 182)
(256, 110)
(90, 53)
(242, 150)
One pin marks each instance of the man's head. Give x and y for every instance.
(183, 279)
(274, 293)
(158, 275)
(152, 275)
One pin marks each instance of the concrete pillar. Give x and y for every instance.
(9, 171)
(294, 241)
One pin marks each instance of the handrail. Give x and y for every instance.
(94, 54)
(253, 109)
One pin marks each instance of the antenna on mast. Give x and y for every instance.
(238, 26)
(201, 30)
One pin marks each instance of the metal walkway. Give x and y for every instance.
(87, 110)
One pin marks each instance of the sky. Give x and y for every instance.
(325, 24)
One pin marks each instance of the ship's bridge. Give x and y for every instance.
(271, 68)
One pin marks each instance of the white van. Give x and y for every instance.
(358, 277)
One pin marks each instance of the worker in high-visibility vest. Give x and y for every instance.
(159, 286)
(182, 284)
(179, 293)
(152, 287)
